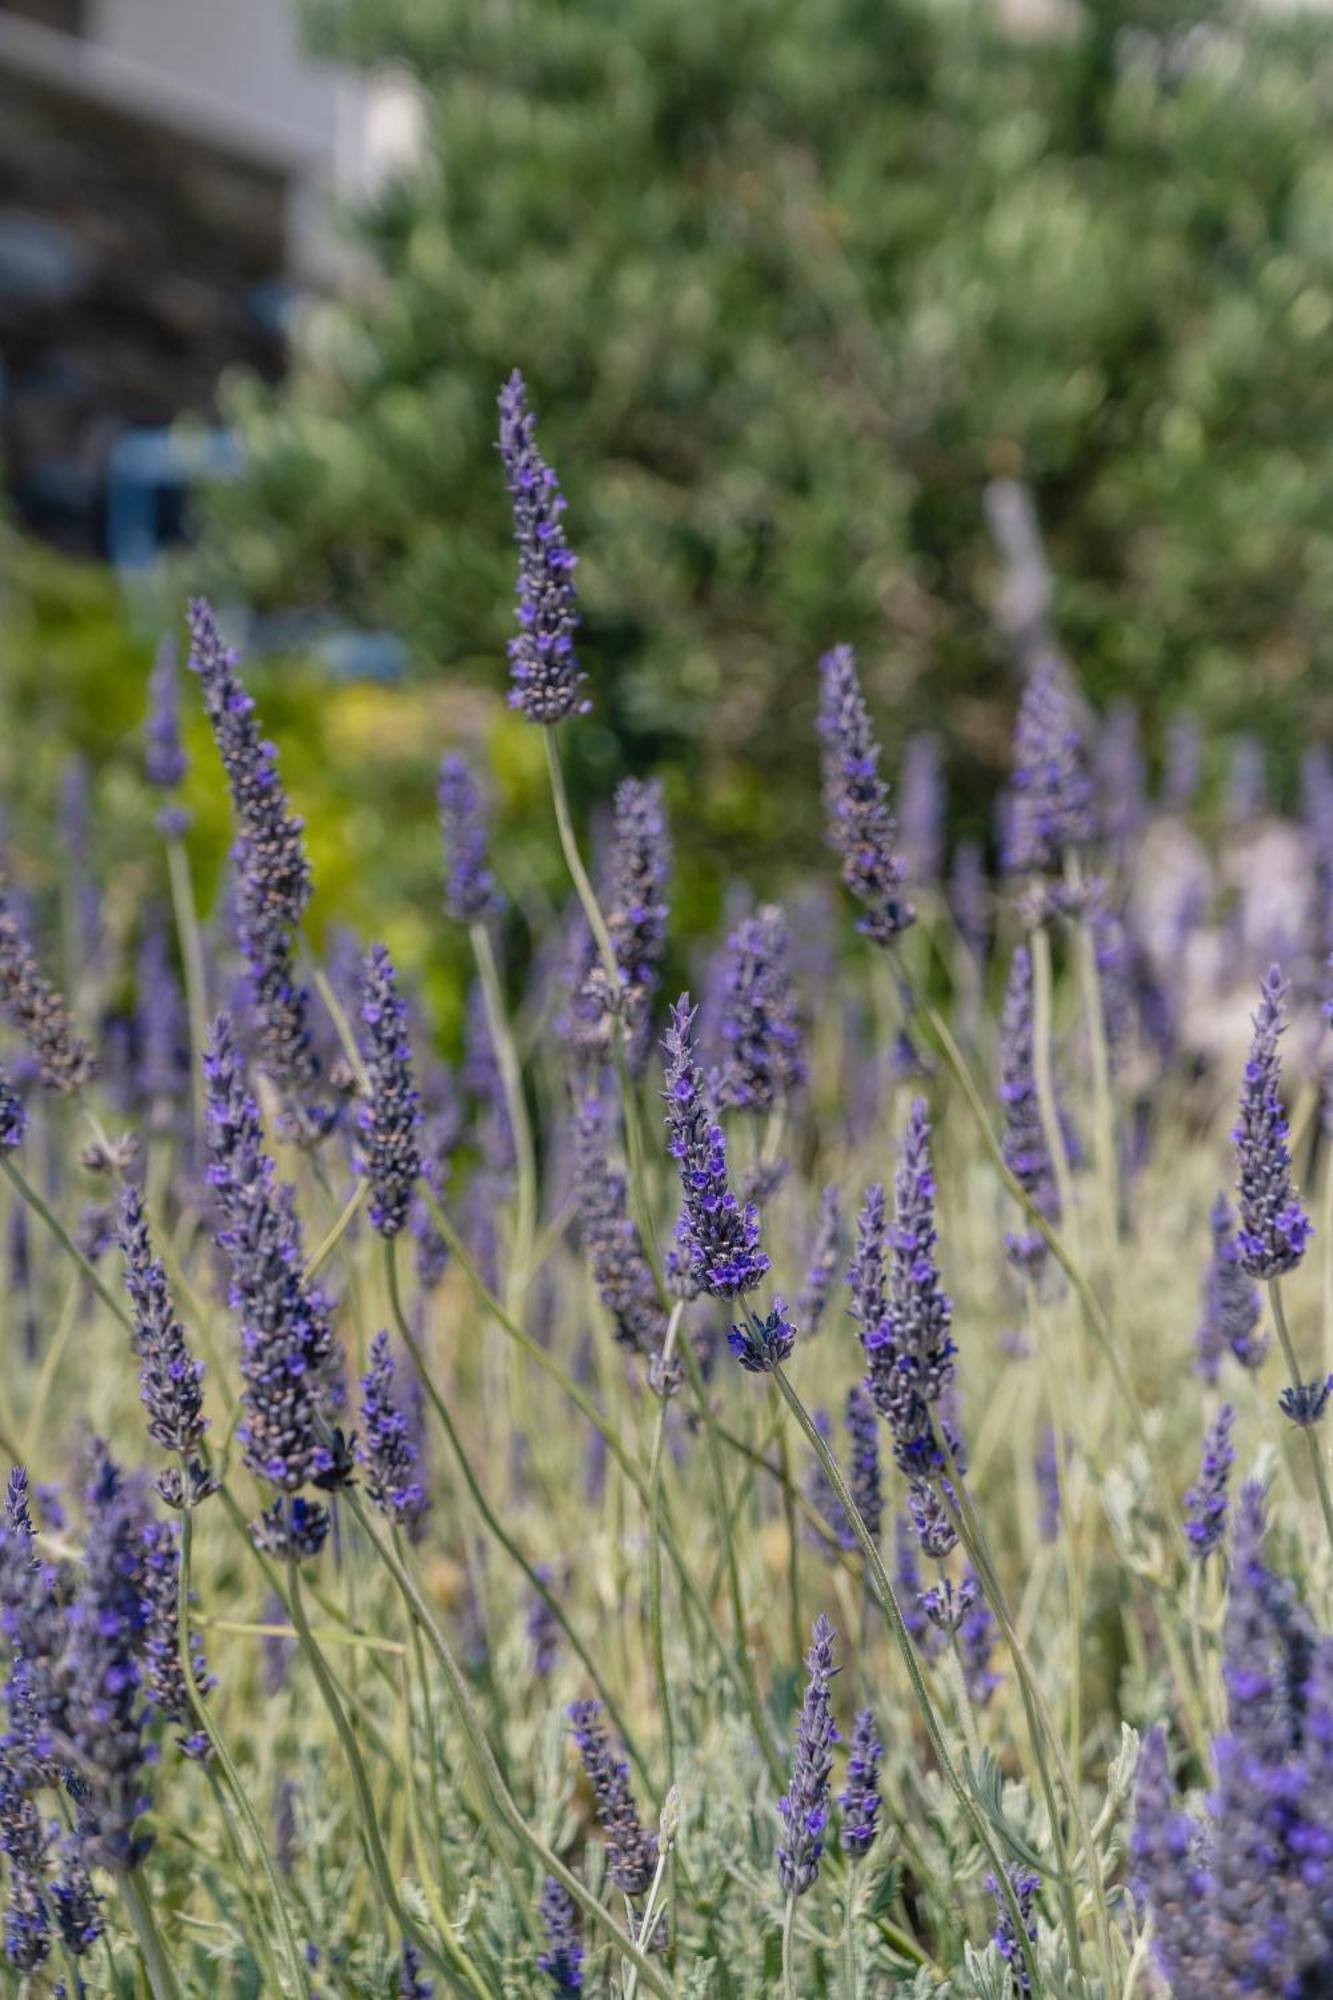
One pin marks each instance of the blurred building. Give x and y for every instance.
(170, 172)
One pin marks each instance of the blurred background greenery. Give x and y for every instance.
(790, 280)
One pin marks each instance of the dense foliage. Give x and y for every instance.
(791, 283)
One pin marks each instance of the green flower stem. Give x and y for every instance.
(884, 1595)
(655, 1554)
(1307, 1430)
(355, 1202)
(788, 1976)
(491, 1518)
(154, 1953)
(564, 820)
(488, 1770)
(192, 965)
(1043, 1063)
(235, 1787)
(463, 1965)
(64, 1239)
(511, 1082)
(1103, 1101)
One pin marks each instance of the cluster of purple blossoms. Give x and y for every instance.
(165, 762)
(287, 1344)
(390, 1118)
(1026, 1153)
(542, 664)
(631, 1849)
(804, 1806)
(825, 1254)
(1206, 1502)
(856, 802)
(13, 1117)
(719, 1238)
(1026, 1884)
(761, 1342)
(1231, 1305)
(1274, 1228)
(1242, 1903)
(621, 1272)
(272, 874)
(412, 1981)
(861, 1801)
(385, 1446)
(763, 1062)
(1051, 807)
(64, 1060)
(170, 1379)
(167, 1689)
(562, 1958)
(470, 894)
(25, 1841)
(640, 870)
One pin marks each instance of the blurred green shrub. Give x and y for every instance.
(790, 279)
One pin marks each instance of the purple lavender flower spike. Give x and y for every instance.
(718, 1236)
(1052, 795)
(165, 762)
(864, 1480)
(825, 1253)
(1231, 1305)
(470, 894)
(170, 1379)
(909, 1353)
(391, 1116)
(1025, 1883)
(764, 1340)
(412, 1981)
(631, 1849)
(1206, 1502)
(78, 1905)
(976, 1642)
(542, 664)
(621, 1272)
(1025, 1151)
(25, 1841)
(763, 1063)
(821, 1492)
(640, 869)
(804, 1808)
(1046, 1466)
(861, 1801)
(1169, 1876)
(562, 1958)
(64, 1060)
(922, 806)
(385, 1446)
(13, 1117)
(856, 802)
(1274, 1228)
(167, 1690)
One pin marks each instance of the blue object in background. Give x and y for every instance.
(148, 477)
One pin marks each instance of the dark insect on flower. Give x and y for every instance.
(824, 1255)
(804, 1807)
(621, 1272)
(1026, 1154)
(856, 802)
(167, 1689)
(1305, 1402)
(763, 1342)
(391, 1115)
(861, 1801)
(763, 1062)
(412, 1981)
(1206, 1502)
(291, 1530)
(170, 1379)
(909, 1352)
(542, 664)
(386, 1447)
(1026, 1885)
(631, 1849)
(470, 891)
(1052, 795)
(106, 1714)
(1231, 1307)
(64, 1060)
(562, 1959)
(720, 1238)
(1274, 1228)
(13, 1117)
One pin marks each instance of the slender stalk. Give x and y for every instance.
(793, 1550)
(511, 1082)
(354, 1204)
(156, 1963)
(1043, 1063)
(463, 1965)
(655, 1553)
(849, 1936)
(788, 1921)
(192, 965)
(1307, 1430)
(564, 820)
(64, 1239)
(648, 1922)
(1103, 1102)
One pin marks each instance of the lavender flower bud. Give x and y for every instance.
(1304, 1403)
(907, 1586)
(542, 664)
(860, 1802)
(390, 1118)
(621, 1272)
(932, 1521)
(1025, 1883)
(170, 1378)
(78, 1905)
(864, 1482)
(637, 909)
(1274, 1228)
(412, 1981)
(291, 1530)
(1231, 1306)
(1206, 1503)
(385, 1447)
(168, 1691)
(720, 1238)
(631, 1849)
(24, 1840)
(562, 1959)
(976, 1642)
(470, 891)
(909, 1352)
(804, 1808)
(1025, 1150)
(856, 802)
(64, 1060)
(760, 1027)
(824, 1256)
(1052, 798)
(764, 1341)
